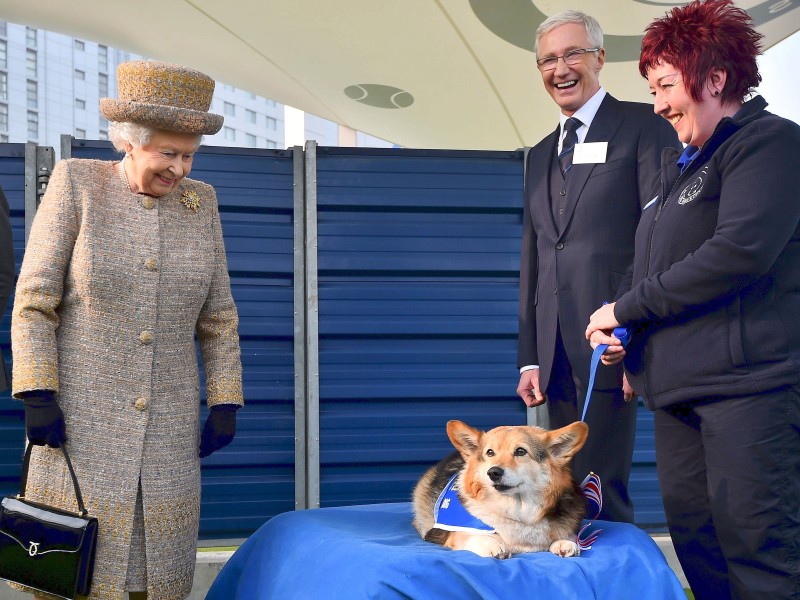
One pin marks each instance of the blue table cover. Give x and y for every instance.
(373, 551)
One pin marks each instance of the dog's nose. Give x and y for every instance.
(495, 474)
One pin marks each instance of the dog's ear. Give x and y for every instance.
(564, 443)
(464, 438)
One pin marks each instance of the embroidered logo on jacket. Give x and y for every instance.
(693, 189)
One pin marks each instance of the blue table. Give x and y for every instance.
(372, 551)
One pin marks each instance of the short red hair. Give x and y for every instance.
(701, 36)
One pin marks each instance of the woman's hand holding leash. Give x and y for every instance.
(600, 331)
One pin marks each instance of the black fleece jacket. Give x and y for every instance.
(715, 295)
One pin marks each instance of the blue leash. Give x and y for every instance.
(620, 333)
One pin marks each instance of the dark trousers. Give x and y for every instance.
(730, 477)
(612, 428)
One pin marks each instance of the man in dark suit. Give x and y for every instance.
(585, 186)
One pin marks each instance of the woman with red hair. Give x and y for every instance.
(714, 309)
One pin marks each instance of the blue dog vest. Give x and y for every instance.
(450, 514)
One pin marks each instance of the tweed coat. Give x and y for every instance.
(112, 289)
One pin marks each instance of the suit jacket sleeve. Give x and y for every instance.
(41, 285)
(528, 275)
(217, 327)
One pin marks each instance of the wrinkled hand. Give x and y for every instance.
(529, 390)
(627, 389)
(219, 429)
(44, 421)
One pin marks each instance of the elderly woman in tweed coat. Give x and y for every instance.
(125, 263)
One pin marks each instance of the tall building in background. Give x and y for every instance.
(51, 84)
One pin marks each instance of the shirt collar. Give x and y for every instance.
(585, 114)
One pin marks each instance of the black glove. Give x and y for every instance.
(44, 421)
(220, 428)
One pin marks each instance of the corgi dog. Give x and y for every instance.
(504, 491)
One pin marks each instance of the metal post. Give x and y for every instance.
(300, 396)
(66, 146)
(312, 326)
(39, 162)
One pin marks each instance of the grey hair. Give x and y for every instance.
(123, 133)
(593, 28)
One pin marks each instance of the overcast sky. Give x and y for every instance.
(779, 85)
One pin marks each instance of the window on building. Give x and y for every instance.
(30, 37)
(271, 103)
(230, 134)
(3, 87)
(252, 141)
(102, 134)
(3, 55)
(102, 58)
(3, 138)
(33, 94)
(79, 46)
(103, 123)
(102, 85)
(230, 109)
(80, 134)
(272, 145)
(80, 75)
(228, 87)
(3, 29)
(272, 123)
(80, 104)
(251, 115)
(33, 126)
(3, 117)
(31, 63)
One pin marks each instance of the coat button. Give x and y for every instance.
(148, 203)
(146, 338)
(563, 192)
(559, 246)
(150, 263)
(140, 404)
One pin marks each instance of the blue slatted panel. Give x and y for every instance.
(418, 266)
(12, 429)
(252, 479)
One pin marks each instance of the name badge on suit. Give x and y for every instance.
(589, 153)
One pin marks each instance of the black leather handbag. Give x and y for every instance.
(45, 548)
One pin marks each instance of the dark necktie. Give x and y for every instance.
(568, 145)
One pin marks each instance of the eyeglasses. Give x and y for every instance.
(573, 57)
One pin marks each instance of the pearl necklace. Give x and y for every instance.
(122, 175)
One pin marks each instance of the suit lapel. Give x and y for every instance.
(604, 126)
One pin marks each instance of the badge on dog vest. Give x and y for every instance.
(450, 514)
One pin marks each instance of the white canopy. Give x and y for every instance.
(420, 73)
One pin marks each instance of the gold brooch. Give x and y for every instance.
(190, 200)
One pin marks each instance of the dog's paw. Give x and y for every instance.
(487, 545)
(565, 548)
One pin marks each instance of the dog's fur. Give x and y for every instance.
(516, 480)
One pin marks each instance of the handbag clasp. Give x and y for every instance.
(33, 549)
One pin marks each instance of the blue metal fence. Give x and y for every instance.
(418, 263)
(12, 430)
(417, 280)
